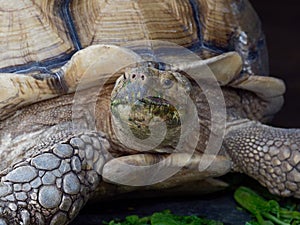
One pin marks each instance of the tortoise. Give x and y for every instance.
(88, 109)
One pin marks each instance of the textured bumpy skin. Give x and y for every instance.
(52, 184)
(270, 155)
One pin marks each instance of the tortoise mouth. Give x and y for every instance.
(145, 116)
(155, 101)
(152, 109)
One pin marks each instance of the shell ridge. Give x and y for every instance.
(68, 20)
(196, 15)
(46, 65)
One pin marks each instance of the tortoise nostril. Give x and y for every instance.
(143, 77)
(133, 76)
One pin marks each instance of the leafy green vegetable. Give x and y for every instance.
(164, 218)
(267, 212)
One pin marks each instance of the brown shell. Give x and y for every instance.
(38, 38)
(31, 33)
(46, 33)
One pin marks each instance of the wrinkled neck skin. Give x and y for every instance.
(42, 120)
(270, 155)
(47, 122)
(147, 97)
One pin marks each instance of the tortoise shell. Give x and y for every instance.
(38, 38)
(44, 34)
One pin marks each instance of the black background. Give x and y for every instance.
(281, 24)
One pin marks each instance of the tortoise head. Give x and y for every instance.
(145, 98)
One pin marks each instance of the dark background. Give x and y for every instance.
(280, 20)
(281, 24)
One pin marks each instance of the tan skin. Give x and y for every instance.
(152, 101)
(270, 155)
(250, 145)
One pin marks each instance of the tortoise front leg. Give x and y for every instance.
(52, 184)
(270, 155)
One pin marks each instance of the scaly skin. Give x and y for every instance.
(270, 155)
(48, 183)
(145, 95)
(53, 182)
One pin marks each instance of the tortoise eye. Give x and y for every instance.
(124, 76)
(167, 83)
